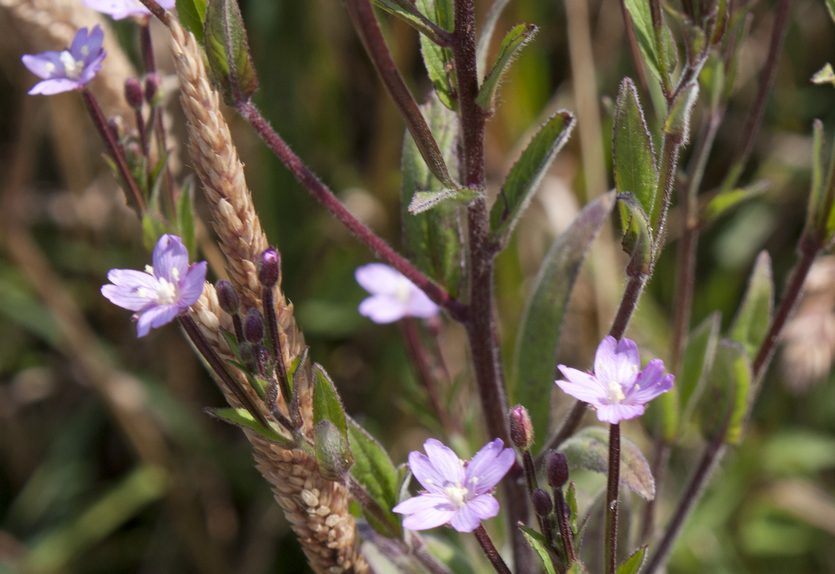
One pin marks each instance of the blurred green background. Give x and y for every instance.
(89, 415)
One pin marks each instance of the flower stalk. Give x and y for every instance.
(610, 532)
(490, 551)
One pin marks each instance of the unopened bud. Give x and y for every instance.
(133, 151)
(227, 297)
(557, 470)
(117, 127)
(542, 503)
(247, 352)
(269, 267)
(153, 94)
(521, 428)
(254, 326)
(133, 93)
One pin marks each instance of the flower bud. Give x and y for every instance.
(521, 428)
(269, 268)
(542, 503)
(254, 326)
(153, 94)
(227, 297)
(118, 128)
(557, 470)
(133, 93)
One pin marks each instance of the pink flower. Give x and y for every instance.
(618, 388)
(163, 291)
(69, 69)
(392, 295)
(118, 9)
(457, 493)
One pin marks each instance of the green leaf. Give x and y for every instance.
(830, 6)
(589, 449)
(825, 75)
(326, 403)
(432, 240)
(535, 357)
(374, 470)
(438, 60)
(637, 237)
(244, 419)
(153, 227)
(751, 323)
(697, 362)
(677, 123)
(192, 15)
(724, 201)
(725, 402)
(227, 51)
(407, 12)
(19, 305)
(642, 23)
(571, 499)
(577, 567)
(486, 33)
(633, 564)
(526, 174)
(540, 546)
(426, 200)
(185, 219)
(632, 151)
(512, 43)
(333, 455)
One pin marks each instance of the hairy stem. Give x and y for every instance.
(562, 511)
(610, 533)
(490, 550)
(325, 196)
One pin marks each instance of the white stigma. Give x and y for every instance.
(615, 392)
(149, 270)
(175, 274)
(457, 495)
(166, 292)
(72, 67)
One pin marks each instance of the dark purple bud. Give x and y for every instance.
(269, 268)
(117, 127)
(152, 92)
(254, 326)
(227, 297)
(557, 470)
(521, 428)
(133, 93)
(542, 503)
(247, 352)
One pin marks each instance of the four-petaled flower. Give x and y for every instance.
(457, 493)
(118, 9)
(393, 296)
(68, 69)
(163, 291)
(618, 388)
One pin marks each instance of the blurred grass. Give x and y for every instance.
(64, 457)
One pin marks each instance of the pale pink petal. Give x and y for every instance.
(78, 42)
(427, 511)
(615, 413)
(420, 305)
(170, 259)
(378, 278)
(582, 386)
(650, 390)
(488, 466)
(191, 287)
(93, 68)
(425, 473)
(445, 461)
(617, 361)
(56, 86)
(422, 502)
(464, 520)
(484, 507)
(382, 309)
(45, 65)
(132, 290)
(155, 317)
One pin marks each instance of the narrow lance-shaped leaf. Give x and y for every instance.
(486, 33)
(697, 362)
(425, 200)
(512, 43)
(436, 58)
(725, 402)
(242, 418)
(589, 449)
(406, 11)
(227, 51)
(535, 357)
(637, 237)
(632, 565)
(820, 220)
(677, 123)
(374, 470)
(540, 546)
(725, 201)
(185, 218)
(751, 323)
(192, 15)
(632, 151)
(577, 567)
(526, 174)
(432, 240)
(326, 403)
(825, 75)
(642, 23)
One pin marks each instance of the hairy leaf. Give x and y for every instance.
(637, 236)
(244, 419)
(751, 323)
(697, 362)
(632, 565)
(512, 43)
(333, 455)
(227, 51)
(437, 59)
(374, 470)
(632, 151)
(540, 546)
(724, 404)
(723, 202)
(192, 15)
(326, 403)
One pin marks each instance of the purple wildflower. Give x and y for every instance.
(618, 388)
(457, 492)
(163, 291)
(69, 69)
(118, 9)
(393, 296)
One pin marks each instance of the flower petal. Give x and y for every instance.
(615, 413)
(191, 287)
(617, 361)
(425, 473)
(465, 520)
(155, 317)
(582, 386)
(132, 290)
(170, 259)
(93, 44)
(427, 511)
(93, 68)
(420, 305)
(382, 309)
(55, 86)
(422, 502)
(488, 466)
(78, 42)
(119, 9)
(45, 65)
(646, 390)
(484, 507)
(378, 278)
(445, 461)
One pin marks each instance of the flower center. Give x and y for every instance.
(401, 292)
(457, 495)
(166, 292)
(72, 67)
(615, 392)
